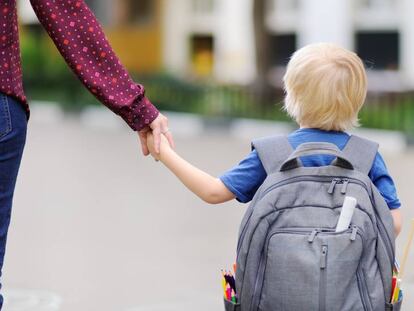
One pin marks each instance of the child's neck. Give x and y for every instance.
(302, 126)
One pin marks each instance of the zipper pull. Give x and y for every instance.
(324, 256)
(354, 233)
(332, 186)
(345, 183)
(312, 236)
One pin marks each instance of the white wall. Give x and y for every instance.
(26, 13)
(407, 42)
(235, 52)
(382, 14)
(282, 16)
(325, 21)
(175, 36)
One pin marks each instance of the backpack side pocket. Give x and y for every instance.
(231, 306)
(396, 306)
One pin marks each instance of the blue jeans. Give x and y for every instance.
(13, 126)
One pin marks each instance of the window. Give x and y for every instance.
(203, 6)
(100, 9)
(140, 11)
(202, 50)
(379, 50)
(282, 46)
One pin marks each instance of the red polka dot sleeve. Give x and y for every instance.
(79, 38)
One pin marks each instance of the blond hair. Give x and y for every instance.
(326, 86)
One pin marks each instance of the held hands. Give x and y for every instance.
(158, 128)
(164, 145)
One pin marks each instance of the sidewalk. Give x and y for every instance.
(98, 227)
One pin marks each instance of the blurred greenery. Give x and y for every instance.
(46, 75)
(48, 78)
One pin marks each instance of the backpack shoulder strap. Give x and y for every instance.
(272, 151)
(361, 152)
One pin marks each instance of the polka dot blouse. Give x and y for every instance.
(80, 39)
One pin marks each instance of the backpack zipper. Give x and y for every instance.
(363, 290)
(323, 277)
(345, 183)
(333, 184)
(337, 181)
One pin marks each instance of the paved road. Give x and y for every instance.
(97, 227)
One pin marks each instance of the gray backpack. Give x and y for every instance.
(289, 256)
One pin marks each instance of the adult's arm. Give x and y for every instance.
(79, 38)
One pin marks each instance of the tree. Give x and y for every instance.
(262, 42)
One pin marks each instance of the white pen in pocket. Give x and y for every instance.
(347, 211)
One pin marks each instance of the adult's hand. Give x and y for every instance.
(158, 127)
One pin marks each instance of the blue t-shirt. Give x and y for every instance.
(244, 179)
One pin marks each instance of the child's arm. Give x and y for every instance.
(206, 187)
(396, 216)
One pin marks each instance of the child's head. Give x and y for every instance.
(326, 86)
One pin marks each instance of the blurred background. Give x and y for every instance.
(96, 226)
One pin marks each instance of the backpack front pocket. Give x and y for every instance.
(309, 269)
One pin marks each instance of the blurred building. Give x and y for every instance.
(134, 28)
(215, 38)
(210, 38)
(380, 31)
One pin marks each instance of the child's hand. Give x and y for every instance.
(164, 145)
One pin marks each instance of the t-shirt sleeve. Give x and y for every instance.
(244, 179)
(384, 182)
